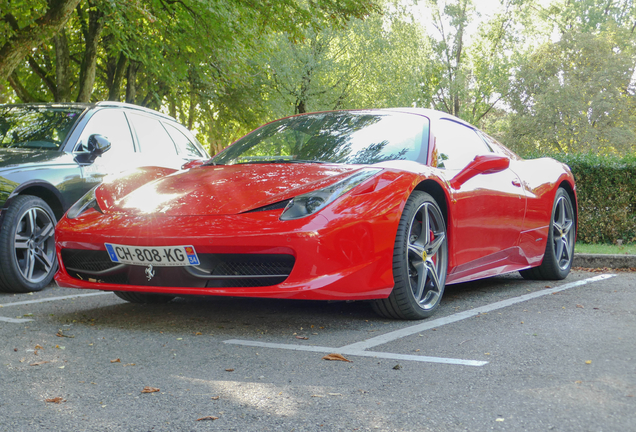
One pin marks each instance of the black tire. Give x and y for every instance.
(559, 252)
(143, 298)
(420, 261)
(27, 246)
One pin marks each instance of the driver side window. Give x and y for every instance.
(113, 125)
(457, 145)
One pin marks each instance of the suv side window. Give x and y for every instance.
(152, 136)
(185, 147)
(112, 124)
(457, 145)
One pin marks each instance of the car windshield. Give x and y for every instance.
(350, 137)
(37, 127)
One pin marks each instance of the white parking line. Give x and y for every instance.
(15, 320)
(357, 352)
(360, 348)
(391, 336)
(42, 300)
(50, 299)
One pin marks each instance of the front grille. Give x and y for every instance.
(215, 270)
(87, 260)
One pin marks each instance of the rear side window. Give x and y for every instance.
(185, 147)
(151, 135)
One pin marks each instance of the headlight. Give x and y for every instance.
(84, 203)
(309, 203)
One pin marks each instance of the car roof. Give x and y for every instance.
(427, 112)
(91, 105)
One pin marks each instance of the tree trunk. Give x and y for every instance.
(62, 68)
(118, 78)
(89, 62)
(131, 81)
(24, 40)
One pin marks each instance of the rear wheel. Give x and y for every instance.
(420, 261)
(27, 241)
(559, 252)
(143, 298)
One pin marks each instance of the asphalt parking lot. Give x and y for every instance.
(501, 354)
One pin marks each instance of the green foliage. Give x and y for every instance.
(606, 198)
(469, 76)
(575, 95)
(375, 62)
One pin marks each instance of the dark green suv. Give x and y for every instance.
(52, 154)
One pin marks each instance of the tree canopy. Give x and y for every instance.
(550, 76)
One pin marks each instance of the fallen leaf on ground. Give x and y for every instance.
(215, 397)
(580, 306)
(149, 389)
(334, 356)
(397, 367)
(229, 370)
(38, 347)
(208, 418)
(499, 419)
(60, 334)
(116, 361)
(38, 363)
(302, 337)
(588, 361)
(56, 400)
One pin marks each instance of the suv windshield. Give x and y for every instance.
(351, 137)
(36, 127)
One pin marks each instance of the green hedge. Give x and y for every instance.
(606, 190)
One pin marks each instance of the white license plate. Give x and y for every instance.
(160, 256)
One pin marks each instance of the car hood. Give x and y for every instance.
(12, 159)
(228, 189)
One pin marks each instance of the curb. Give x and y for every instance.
(600, 261)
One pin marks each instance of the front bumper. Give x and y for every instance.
(348, 257)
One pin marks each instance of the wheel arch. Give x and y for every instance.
(438, 193)
(46, 193)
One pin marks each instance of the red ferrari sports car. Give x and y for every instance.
(383, 205)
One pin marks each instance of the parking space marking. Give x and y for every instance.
(408, 331)
(50, 299)
(360, 348)
(357, 352)
(14, 320)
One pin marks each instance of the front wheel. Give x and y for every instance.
(559, 252)
(27, 241)
(420, 261)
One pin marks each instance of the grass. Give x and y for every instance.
(629, 249)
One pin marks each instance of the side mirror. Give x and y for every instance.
(98, 144)
(482, 164)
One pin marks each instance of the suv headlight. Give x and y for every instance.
(84, 203)
(309, 203)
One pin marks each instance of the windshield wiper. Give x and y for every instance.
(272, 161)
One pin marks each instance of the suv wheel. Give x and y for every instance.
(27, 246)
